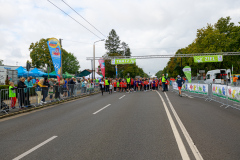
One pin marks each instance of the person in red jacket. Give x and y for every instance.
(121, 86)
(115, 85)
(125, 86)
(132, 84)
(167, 84)
(145, 85)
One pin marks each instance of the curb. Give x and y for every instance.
(46, 105)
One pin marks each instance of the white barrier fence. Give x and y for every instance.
(193, 87)
(224, 94)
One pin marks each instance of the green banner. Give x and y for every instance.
(188, 73)
(123, 61)
(213, 58)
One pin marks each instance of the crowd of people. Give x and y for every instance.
(43, 88)
(130, 85)
(57, 90)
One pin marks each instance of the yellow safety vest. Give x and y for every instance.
(106, 82)
(163, 79)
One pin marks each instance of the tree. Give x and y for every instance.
(41, 58)
(159, 73)
(70, 63)
(40, 55)
(115, 48)
(112, 44)
(223, 36)
(1, 63)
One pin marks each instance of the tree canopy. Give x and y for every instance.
(114, 47)
(41, 58)
(223, 36)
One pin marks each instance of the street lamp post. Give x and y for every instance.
(93, 74)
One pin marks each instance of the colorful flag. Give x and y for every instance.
(187, 72)
(55, 52)
(102, 66)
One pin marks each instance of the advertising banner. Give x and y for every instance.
(123, 61)
(55, 52)
(102, 66)
(193, 87)
(188, 74)
(203, 59)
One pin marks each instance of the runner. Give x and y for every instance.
(118, 86)
(121, 86)
(132, 81)
(145, 85)
(179, 81)
(128, 84)
(102, 85)
(110, 87)
(115, 85)
(156, 84)
(150, 84)
(135, 85)
(125, 86)
(153, 84)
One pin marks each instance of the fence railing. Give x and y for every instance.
(228, 96)
(21, 98)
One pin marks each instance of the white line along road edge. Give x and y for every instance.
(180, 144)
(34, 148)
(102, 109)
(122, 97)
(194, 149)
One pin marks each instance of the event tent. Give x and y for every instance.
(67, 75)
(96, 76)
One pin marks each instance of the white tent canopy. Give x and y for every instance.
(96, 76)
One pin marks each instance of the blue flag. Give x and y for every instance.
(55, 52)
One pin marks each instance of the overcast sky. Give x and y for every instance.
(149, 27)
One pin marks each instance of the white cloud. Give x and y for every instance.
(149, 26)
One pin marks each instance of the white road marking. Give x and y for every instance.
(188, 95)
(34, 148)
(236, 105)
(122, 97)
(102, 109)
(179, 141)
(194, 149)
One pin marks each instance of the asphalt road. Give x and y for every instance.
(124, 126)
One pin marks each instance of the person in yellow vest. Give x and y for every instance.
(128, 84)
(164, 79)
(107, 84)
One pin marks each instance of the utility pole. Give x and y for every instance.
(93, 69)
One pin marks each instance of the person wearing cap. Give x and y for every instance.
(179, 82)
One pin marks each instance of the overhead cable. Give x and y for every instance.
(74, 19)
(83, 17)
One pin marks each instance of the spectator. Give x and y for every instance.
(21, 86)
(37, 80)
(71, 85)
(235, 80)
(45, 89)
(29, 85)
(38, 91)
(12, 94)
(50, 91)
(75, 86)
(34, 81)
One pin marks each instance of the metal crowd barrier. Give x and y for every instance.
(30, 97)
(228, 96)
